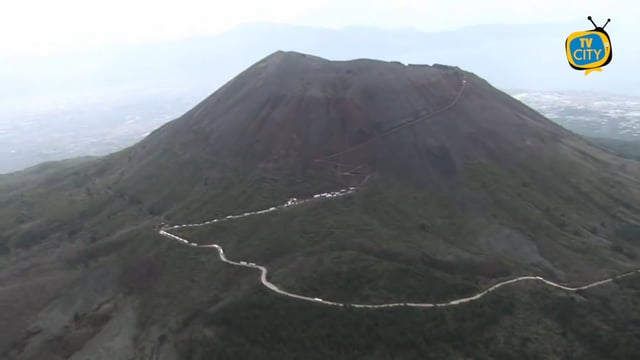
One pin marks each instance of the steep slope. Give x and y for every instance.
(465, 186)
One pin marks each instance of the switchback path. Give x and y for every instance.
(164, 231)
(402, 124)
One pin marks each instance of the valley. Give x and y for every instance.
(600, 115)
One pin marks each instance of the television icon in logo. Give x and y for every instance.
(589, 50)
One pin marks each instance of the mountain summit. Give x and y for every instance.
(453, 186)
(300, 109)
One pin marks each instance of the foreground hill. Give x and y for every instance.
(465, 187)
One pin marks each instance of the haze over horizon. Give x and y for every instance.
(75, 24)
(71, 46)
(134, 65)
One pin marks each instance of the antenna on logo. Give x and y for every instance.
(579, 57)
(596, 26)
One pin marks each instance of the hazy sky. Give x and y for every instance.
(43, 26)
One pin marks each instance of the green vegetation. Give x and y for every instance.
(626, 240)
(391, 241)
(484, 191)
(624, 148)
(529, 323)
(379, 244)
(629, 232)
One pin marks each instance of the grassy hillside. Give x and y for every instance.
(384, 244)
(391, 241)
(466, 187)
(525, 321)
(625, 148)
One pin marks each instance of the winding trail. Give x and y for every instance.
(403, 124)
(164, 231)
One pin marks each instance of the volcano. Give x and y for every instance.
(454, 186)
(298, 111)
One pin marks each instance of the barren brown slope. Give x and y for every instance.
(298, 116)
(296, 106)
(291, 109)
(467, 186)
